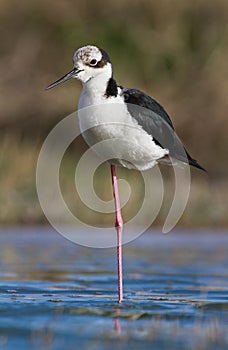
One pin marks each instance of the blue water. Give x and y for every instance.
(57, 295)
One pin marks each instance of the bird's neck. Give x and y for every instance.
(101, 86)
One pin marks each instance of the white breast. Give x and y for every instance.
(110, 130)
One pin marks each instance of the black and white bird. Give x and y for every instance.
(142, 130)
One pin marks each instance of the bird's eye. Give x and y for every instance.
(93, 62)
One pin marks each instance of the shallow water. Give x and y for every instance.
(57, 295)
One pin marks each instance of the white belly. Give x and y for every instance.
(115, 136)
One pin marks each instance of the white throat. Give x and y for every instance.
(93, 90)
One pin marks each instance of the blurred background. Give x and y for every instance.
(176, 51)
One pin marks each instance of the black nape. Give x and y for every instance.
(112, 89)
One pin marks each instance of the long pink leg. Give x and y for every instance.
(119, 229)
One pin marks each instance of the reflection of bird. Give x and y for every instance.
(142, 128)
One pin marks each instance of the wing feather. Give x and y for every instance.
(153, 118)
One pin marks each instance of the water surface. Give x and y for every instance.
(57, 295)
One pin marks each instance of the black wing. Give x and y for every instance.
(156, 122)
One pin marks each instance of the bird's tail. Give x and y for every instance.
(194, 163)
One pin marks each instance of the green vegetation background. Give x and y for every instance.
(175, 51)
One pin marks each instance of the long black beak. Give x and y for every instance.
(67, 76)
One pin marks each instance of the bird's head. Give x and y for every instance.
(90, 62)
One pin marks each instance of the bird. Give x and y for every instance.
(138, 130)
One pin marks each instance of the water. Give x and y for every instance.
(57, 295)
